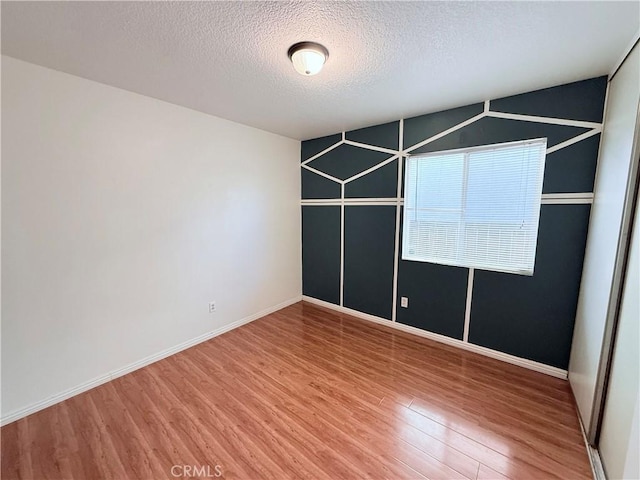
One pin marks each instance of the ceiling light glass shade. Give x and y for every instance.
(308, 57)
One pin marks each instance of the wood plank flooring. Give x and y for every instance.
(308, 393)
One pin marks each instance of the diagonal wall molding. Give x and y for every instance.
(595, 127)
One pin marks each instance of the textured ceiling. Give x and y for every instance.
(387, 59)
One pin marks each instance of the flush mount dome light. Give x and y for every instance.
(308, 57)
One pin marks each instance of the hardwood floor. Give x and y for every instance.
(308, 393)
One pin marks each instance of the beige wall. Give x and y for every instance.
(122, 217)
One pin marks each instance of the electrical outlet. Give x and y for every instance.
(212, 307)
(404, 302)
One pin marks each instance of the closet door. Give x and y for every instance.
(619, 444)
(602, 265)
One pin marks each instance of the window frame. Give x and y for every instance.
(467, 151)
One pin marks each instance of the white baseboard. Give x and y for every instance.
(487, 352)
(28, 410)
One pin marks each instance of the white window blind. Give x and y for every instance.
(477, 207)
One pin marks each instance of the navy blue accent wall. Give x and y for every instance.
(573, 168)
(385, 135)
(317, 186)
(420, 128)
(528, 317)
(437, 296)
(498, 130)
(576, 101)
(381, 183)
(369, 243)
(346, 161)
(321, 252)
(313, 147)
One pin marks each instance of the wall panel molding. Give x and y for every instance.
(569, 116)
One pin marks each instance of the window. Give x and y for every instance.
(476, 207)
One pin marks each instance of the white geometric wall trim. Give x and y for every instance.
(376, 184)
(577, 198)
(595, 128)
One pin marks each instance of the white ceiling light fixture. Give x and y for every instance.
(308, 57)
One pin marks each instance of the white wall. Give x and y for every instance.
(619, 444)
(122, 217)
(604, 228)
